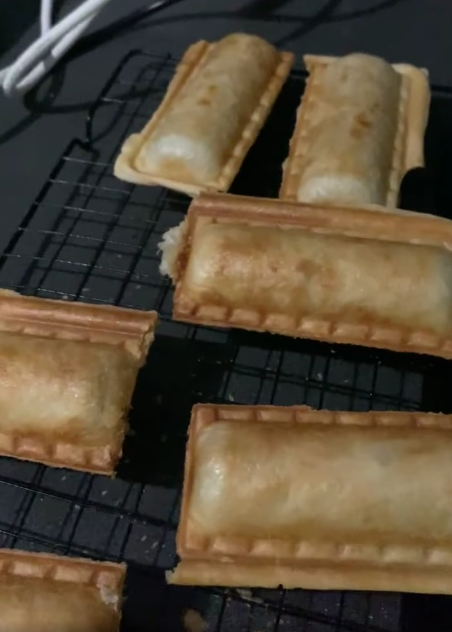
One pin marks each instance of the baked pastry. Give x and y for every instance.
(67, 375)
(50, 593)
(360, 127)
(353, 276)
(214, 108)
(316, 499)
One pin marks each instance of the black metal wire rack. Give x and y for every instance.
(91, 237)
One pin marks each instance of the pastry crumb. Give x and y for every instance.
(193, 621)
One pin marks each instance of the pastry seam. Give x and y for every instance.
(191, 63)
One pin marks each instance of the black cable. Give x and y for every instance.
(106, 33)
(263, 12)
(259, 11)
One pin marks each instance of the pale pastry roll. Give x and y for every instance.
(360, 127)
(352, 276)
(214, 108)
(67, 374)
(316, 499)
(50, 593)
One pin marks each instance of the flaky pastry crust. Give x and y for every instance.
(45, 593)
(353, 276)
(360, 127)
(214, 108)
(316, 499)
(67, 376)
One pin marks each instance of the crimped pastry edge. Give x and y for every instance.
(269, 563)
(408, 150)
(94, 459)
(389, 225)
(107, 577)
(124, 167)
(311, 577)
(77, 321)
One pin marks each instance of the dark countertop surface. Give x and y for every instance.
(415, 31)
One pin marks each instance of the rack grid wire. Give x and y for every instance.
(91, 237)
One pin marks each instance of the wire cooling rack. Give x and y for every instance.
(91, 237)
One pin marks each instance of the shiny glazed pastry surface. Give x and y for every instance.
(325, 483)
(298, 273)
(197, 134)
(290, 496)
(63, 390)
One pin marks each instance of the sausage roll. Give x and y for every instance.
(317, 499)
(67, 373)
(360, 127)
(50, 593)
(353, 276)
(214, 108)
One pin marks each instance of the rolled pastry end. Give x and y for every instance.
(170, 247)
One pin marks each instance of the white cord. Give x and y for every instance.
(52, 44)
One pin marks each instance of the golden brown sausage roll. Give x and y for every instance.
(49, 593)
(67, 373)
(352, 276)
(317, 499)
(212, 113)
(360, 127)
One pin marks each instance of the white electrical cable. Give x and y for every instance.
(52, 44)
